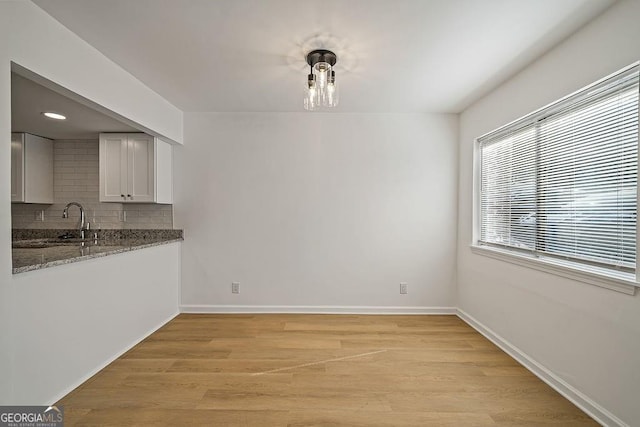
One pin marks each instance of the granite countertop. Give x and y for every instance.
(36, 249)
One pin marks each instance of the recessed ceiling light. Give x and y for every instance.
(55, 116)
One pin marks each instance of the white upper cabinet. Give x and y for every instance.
(113, 167)
(31, 169)
(135, 168)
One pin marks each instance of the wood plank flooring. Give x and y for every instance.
(317, 370)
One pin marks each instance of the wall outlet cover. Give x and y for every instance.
(235, 287)
(403, 288)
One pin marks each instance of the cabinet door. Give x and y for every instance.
(17, 164)
(31, 169)
(140, 186)
(164, 172)
(113, 167)
(38, 169)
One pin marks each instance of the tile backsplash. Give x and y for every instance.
(75, 179)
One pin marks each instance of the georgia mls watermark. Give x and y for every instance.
(31, 416)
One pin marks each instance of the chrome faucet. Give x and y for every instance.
(83, 224)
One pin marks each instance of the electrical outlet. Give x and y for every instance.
(235, 287)
(403, 288)
(38, 215)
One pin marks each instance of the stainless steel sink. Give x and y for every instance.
(24, 245)
(46, 243)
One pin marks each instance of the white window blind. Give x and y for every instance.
(562, 182)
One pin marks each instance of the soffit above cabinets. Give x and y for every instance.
(29, 100)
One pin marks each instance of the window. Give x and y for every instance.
(561, 184)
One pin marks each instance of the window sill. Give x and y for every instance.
(620, 282)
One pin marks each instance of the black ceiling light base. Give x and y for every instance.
(321, 55)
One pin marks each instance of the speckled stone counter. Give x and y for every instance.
(37, 249)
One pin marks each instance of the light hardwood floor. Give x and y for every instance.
(320, 370)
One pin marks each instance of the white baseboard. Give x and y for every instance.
(314, 309)
(582, 401)
(103, 365)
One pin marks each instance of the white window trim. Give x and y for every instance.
(625, 283)
(620, 282)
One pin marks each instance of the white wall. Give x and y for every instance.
(317, 210)
(31, 38)
(587, 336)
(66, 329)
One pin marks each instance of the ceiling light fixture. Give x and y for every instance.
(321, 90)
(55, 116)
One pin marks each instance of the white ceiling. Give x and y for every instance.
(29, 100)
(393, 55)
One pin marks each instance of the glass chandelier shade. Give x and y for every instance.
(321, 89)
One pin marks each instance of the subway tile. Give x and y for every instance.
(63, 170)
(65, 157)
(76, 179)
